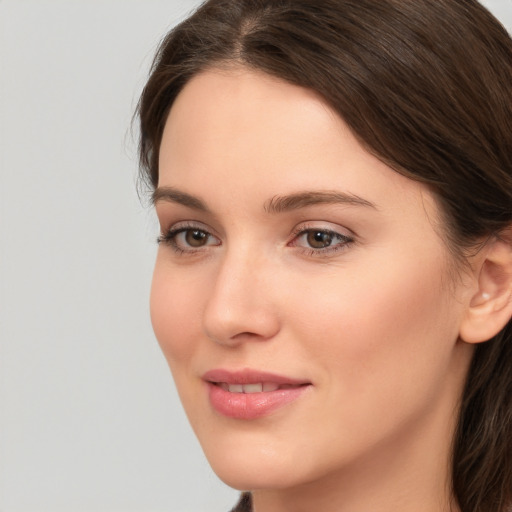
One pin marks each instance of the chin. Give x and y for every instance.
(258, 466)
(249, 477)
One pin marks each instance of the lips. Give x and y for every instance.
(261, 387)
(250, 394)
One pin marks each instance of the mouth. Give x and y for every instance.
(250, 394)
(259, 387)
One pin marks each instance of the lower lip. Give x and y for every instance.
(249, 406)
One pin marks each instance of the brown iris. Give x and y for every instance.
(319, 239)
(196, 237)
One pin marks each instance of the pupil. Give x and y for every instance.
(196, 238)
(319, 239)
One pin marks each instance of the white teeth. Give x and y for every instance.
(249, 388)
(253, 388)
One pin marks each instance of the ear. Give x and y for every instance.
(490, 307)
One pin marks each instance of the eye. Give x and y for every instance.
(193, 237)
(320, 241)
(188, 238)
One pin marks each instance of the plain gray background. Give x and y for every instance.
(89, 419)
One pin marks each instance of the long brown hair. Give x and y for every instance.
(426, 86)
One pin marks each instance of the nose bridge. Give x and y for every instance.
(240, 305)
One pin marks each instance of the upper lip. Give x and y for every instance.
(249, 376)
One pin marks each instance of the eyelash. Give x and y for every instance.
(343, 241)
(169, 238)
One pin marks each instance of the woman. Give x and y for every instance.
(333, 287)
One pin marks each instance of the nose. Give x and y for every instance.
(240, 307)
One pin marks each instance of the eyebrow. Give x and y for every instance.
(278, 204)
(172, 195)
(299, 200)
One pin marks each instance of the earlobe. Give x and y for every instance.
(490, 307)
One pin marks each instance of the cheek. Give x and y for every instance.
(174, 314)
(379, 328)
(380, 343)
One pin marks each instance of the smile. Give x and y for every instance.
(261, 387)
(250, 394)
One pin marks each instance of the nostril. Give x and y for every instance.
(238, 338)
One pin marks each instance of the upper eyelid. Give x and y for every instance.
(177, 229)
(345, 238)
(299, 229)
(323, 226)
(320, 230)
(345, 235)
(170, 214)
(189, 224)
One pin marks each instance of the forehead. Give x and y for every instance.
(229, 106)
(242, 136)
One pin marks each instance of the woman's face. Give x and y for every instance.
(302, 292)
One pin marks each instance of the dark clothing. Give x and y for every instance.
(245, 503)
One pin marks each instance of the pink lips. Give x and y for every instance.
(250, 394)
